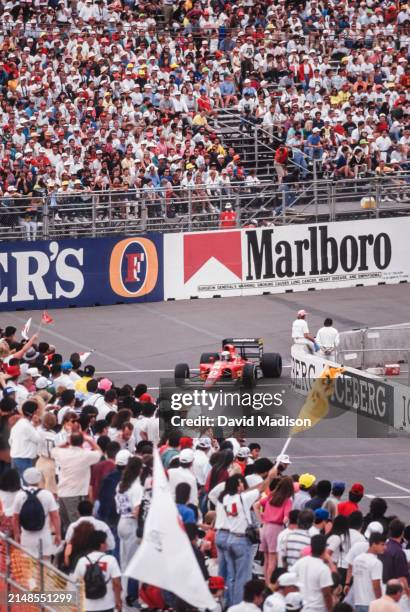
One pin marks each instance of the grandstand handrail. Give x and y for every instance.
(182, 208)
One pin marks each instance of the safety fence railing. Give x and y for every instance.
(196, 207)
(30, 584)
(376, 347)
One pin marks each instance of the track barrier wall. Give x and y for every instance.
(376, 400)
(284, 259)
(83, 272)
(154, 266)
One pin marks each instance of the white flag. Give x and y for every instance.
(26, 329)
(85, 356)
(165, 557)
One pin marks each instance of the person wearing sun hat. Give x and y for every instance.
(306, 482)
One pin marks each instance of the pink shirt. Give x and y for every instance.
(275, 514)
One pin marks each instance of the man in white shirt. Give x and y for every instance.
(253, 595)
(85, 510)
(328, 339)
(201, 465)
(315, 577)
(25, 437)
(74, 462)
(184, 473)
(300, 332)
(367, 573)
(111, 570)
(287, 583)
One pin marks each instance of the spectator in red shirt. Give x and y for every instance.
(100, 470)
(227, 218)
(352, 505)
(281, 157)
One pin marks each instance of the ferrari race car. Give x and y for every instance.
(241, 360)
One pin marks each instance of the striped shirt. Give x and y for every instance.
(297, 540)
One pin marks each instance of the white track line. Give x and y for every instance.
(392, 484)
(389, 496)
(352, 455)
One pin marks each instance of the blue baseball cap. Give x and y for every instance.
(322, 514)
(67, 365)
(339, 485)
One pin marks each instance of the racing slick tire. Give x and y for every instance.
(181, 373)
(271, 365)
(249, 376)
(205, 357)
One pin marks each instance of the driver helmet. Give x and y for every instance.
(225, 356)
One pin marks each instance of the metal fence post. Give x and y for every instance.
(46, 220)
(283, 204)
(238, 209)
(189, 209)
(332, 200)
(363, 344)
(256, 147)
(315, 198)
(378, 196)
(94, 215)
(7, 576)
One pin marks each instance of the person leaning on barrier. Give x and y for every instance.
(328, 339)
(301, 334)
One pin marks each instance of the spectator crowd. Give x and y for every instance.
(76, 482)
(124, 96)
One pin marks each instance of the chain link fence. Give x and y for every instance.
(29, 584)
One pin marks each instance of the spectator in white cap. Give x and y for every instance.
(293, 602)
(301, 334)
(36, 522)
(184, 473)
(201, 466)
(241, 459)
(286, 583)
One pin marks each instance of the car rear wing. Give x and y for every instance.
(248, 348)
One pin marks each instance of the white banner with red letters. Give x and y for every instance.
(342, 254)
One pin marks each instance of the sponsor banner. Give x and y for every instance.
(402, 407)
(367, 395)
(81, 272)
(277, 259)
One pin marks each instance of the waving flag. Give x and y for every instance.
(26, 329)
(46, 318)
(85, 356)
(316, 405)
(165, 557)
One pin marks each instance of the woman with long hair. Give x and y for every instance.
(238, 503)
(220, 469)
(78, 545)
(128, 498)
(10, 484)
(339, 543)
(274, 510)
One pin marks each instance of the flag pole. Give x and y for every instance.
(284, 449)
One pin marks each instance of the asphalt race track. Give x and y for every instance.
(142, 342)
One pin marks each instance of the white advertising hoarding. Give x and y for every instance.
(278, 259)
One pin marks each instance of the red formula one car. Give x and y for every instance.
(241, 360)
